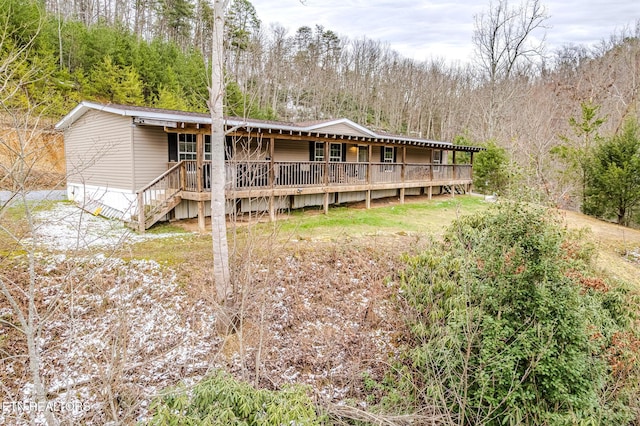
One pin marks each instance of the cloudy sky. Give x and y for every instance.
(442, 29)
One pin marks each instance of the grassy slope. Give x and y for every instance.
(418, 216)
(431, 217)
(614, 242)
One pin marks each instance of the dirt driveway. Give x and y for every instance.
(619, 247)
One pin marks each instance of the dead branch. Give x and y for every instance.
(347, 412)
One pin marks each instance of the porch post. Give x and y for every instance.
(402, 173)
(453, 174)
(199, 179)
(431, 165)
(369, 155)
(272, 170)
(272, 180)
(326, 178)
(199, 160)
(471, 173)
(183, 176)
(453, 160)
(369, 171)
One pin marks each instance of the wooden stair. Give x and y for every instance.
(159, 197)
(160, 210)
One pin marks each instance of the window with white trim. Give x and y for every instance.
(335, 152)
(207, 147)
(318, 153)
(437, 159)
(187, 144)
(437, 156)
(388, 154)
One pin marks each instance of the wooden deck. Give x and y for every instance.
(189, 180)
(263, 178)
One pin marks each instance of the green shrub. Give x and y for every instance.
(491, 169)
(221, 400)
(509, 325)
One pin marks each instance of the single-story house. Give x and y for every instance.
(147, 164)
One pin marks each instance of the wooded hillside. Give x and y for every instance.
(155, 52)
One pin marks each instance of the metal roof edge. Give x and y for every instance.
(159, 114)
(346, 121)
(84, 106)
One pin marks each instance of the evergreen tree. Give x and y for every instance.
(177, 16)
(171, 99)
(613, 178)
(490, 169)
(114, 83)
(508, 324)
(575, 154)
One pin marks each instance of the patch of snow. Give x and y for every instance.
(68, 227)
(140, 333)
(125, 330)
(634, 255)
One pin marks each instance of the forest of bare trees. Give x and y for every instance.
(518, 94)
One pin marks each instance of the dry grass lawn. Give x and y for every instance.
(420, 217)
(614, 243)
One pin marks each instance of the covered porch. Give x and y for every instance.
(271, 180)
(278, 166)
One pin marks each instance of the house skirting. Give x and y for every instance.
(97, 199)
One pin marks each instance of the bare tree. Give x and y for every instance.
(221, 273)
(503, 37)
(17, 146)
(504, 48)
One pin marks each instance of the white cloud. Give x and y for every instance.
(443, 28)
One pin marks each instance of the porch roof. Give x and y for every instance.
(317, 129)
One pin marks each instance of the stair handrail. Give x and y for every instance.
(162, 176)
(140, 194)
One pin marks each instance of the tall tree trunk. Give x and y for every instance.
(221, 273)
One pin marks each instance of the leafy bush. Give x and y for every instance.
(221, 400)
(510, 325)
(491, 169)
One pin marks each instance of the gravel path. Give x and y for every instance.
(51, 194)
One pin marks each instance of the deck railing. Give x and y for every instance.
(153, 198)
(162, 194)
(242, 175)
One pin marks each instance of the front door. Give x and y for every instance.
(363, 157)
(363, 154)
